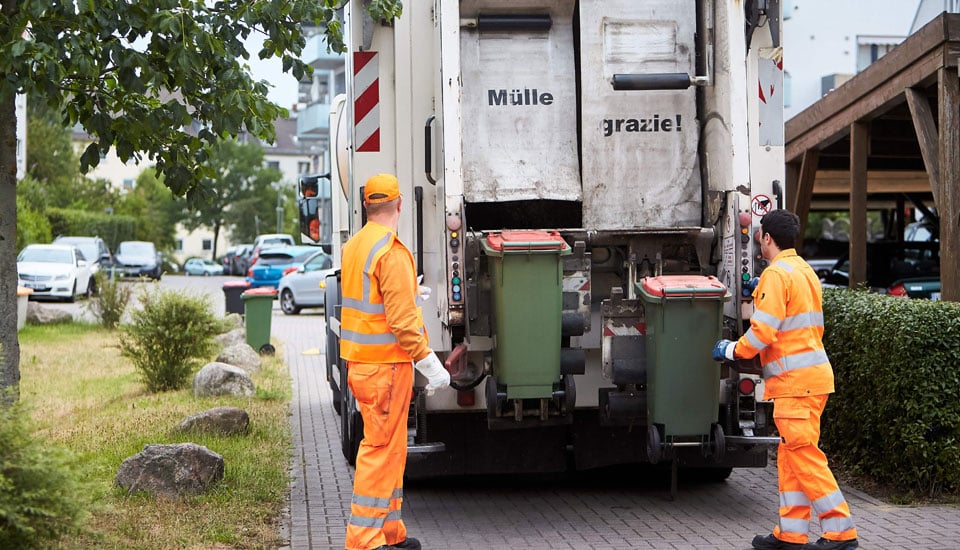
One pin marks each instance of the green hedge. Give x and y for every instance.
(895, 416)
(113, 229)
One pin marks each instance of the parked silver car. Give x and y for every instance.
(54, 271)
(302, 288)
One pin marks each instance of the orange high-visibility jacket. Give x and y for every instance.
(787, 330)
(380, 321)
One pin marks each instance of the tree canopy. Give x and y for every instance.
(135, 75)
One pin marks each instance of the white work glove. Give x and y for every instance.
(423, 293)
(437, 376)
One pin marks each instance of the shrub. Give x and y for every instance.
(32, 226)
(41, 497)
(896, 413)
(111, 301)
(168, 335)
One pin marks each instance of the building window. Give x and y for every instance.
(787, 89)
(128, 184)
(872, 48)
(180, 244)
(303, 167)
(275, 164)
(208, 244)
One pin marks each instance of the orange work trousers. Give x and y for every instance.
(383, 393)
(805, 480)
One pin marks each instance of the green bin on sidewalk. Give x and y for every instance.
(684, 318)
(527, 278)
(258, 303)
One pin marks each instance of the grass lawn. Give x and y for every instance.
(84, 396)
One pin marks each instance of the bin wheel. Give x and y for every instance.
(569, 394)
(654, 445)
(267, 349)
(493, 404)
(719, 443)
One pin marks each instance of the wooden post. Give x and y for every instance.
(859, 144)
(801, 199)
(926, 137)
(948, 205)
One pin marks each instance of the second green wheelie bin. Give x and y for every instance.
(527, 278)
(258, 303)
(684, 318)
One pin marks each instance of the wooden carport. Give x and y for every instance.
(890, 134)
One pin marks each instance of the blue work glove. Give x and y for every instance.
(723, 350)
(751, 285)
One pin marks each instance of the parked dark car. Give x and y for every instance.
(274, 263)
(910, 269)
(236, 260)
(138, 259)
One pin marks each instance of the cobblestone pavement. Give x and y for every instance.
(599, 511)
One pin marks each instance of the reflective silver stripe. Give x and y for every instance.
(373, 339)
(786, 267)
(365, 307)
(793, 362)
(754, 341)
(394, 515)
(369, 261)
(767, 319)
(365, 521)
(826, 503)
(797, 526)
(803, 320)
(836, 525)
(372, 502)
(397, 493)
(793, 498)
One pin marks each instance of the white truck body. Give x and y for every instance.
(566, 116)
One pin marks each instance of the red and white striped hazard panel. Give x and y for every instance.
(366, 106)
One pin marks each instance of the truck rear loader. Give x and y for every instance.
(583, 181)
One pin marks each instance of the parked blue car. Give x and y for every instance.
(274, 263)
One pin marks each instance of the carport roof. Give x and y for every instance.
(885, 108)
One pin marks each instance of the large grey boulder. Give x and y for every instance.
(218, 420)
(227, 339)
(241, 355)
(222, 379)
(234, 320)
(45, 315)
(171, 470)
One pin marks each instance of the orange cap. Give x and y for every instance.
(381, 188)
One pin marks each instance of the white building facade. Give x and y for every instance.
(826, 42)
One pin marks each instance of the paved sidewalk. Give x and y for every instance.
(580, 513)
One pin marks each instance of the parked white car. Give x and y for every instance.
(302, 288)
(54, 271)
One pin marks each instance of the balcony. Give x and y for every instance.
(314, 121)
(316, 55)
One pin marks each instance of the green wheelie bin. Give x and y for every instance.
(258, 303)
(684, 318)
(527, 278)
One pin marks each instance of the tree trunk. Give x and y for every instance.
(9, 345)
(216, 235)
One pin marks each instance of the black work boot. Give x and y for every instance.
(408, 543)
(771, 542)
(827, 544)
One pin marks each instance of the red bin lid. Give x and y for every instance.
(683, 285)
(262, 291)
(236, 284)
(526, 240)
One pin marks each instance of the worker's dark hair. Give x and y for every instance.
(783, 226)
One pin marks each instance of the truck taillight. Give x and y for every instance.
(746, 386)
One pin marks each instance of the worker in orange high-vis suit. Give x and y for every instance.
(383, 340)
(786, 329)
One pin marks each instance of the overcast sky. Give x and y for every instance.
(284, 87)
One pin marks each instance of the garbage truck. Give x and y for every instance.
(583, 181)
